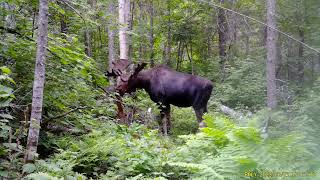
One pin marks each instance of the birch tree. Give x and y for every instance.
(271, 54)
(124, 12)
(111, 36)
(38, 84)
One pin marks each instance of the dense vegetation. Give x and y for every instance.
(80, 137)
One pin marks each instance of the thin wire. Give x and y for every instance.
(258, 21)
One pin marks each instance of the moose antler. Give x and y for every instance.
(117, 68)
(139, 68)
(113, 73)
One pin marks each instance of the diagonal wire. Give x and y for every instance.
(258, 21)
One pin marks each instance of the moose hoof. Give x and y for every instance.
(202, 124)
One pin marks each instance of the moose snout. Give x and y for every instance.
(120, 91)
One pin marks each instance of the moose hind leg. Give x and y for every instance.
(199, 114)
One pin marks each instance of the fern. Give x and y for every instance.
(226, 151)
(42, 176)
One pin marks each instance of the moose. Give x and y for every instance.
(165, 87)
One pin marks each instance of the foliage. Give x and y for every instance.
(245, 86)
(80, 137)
(183, 121)
(10, 152)
(113, 151)
(226, 151)
(223, 150)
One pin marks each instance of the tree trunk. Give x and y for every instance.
(38, 84)
(63, 24)
(247, 35)
(130, 6)
(34, 21)
(87, 43)
(168, 44)
(190, 57)
(124, 12)
(63, 19)
(141, 32)
(232, 29)
(180, 54)
(271, 55)
(209, 33)
(111, 36)
(300, 74)
(151, 38)
(222, 31)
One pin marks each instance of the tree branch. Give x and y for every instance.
(68, 112)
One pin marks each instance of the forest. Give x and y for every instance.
(84, 85)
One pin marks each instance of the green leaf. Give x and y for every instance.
(28, 168)
(5, 70)
(6, 116)
(5, 103)
(5, 91)
(4, 173)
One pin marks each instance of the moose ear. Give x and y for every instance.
(109, 74)
(139, 68)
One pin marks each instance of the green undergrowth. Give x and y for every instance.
(223, 150)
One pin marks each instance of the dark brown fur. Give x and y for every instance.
(166, 86)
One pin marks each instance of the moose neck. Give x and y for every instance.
(143, 80)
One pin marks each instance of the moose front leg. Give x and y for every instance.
(165, 122)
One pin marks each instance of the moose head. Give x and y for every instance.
(128, 82)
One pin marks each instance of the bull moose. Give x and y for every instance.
(165, 87)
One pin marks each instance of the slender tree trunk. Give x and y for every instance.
(124, 12)
(111, 36)
(131, 15)
(38, 84)
(300, 74)
(87, 43)
(151, 38)
(271, 55)
(100, 37)
(141, 32)
(124, 20)
(63, 19)
(168, 44)
(208, 41)
(232, 29)
(63, 24)
(247, 35)
(290, 60)
(33, 21)
(180, 54)
(222, 31)
(189, 54)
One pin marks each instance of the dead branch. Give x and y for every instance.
(68, 112)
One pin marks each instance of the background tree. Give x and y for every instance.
(223, 32)
(111, 35)
(124, 12)
(38, 83)
(271, 54)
